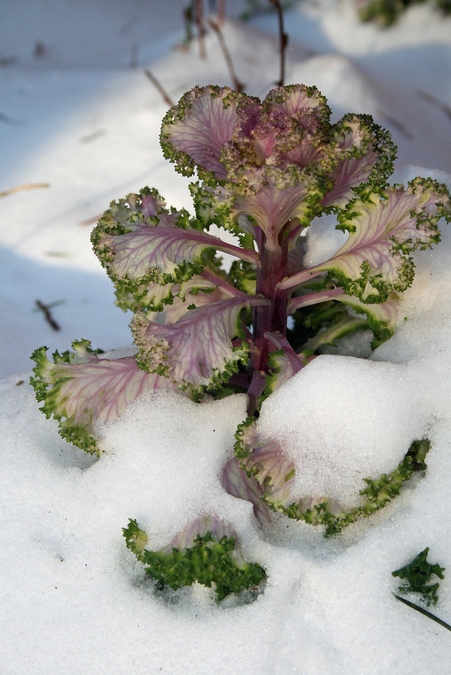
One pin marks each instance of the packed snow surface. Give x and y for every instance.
(78, 113)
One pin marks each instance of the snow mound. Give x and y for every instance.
(341, 420)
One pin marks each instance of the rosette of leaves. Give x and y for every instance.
(266, 170)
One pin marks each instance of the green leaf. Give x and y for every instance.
(209, 556)
(265, 460)
(417, 575)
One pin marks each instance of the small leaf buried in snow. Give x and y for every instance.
(265, 460)
(207, 551)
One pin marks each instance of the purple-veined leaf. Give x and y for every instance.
(197, 351)
(348, 174)
(147, 203)
(285, 145)
(239, 484)
(170, 301)
(292, 124)
(297, 100)
(198, 291)
(81, 389)
(387, 311)
(155, 250)
(170, 314)
(366, 154)
(265, 460)
(196, 129)
(199, 527)
(383, 231)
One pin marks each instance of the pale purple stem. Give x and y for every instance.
(255, 390)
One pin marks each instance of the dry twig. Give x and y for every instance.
(90, 221)
(27, 186)
(239, 86)
(199, 18)
(433, 100)
(167, 99)
(45, 309)
(221, 13)
(283, 38)
(397, 124)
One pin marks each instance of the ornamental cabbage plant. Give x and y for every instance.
(265, 171)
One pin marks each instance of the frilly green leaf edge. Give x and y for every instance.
(327, 511)
(49, 393)
(208, 562)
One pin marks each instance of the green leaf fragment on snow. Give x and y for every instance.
(416, 576)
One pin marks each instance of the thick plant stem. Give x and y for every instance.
(270, 318)
(255, 390)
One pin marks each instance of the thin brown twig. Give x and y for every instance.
(397, 124)
(199, 17)
(187, 14)
(239, 86)
(283, 38)
(27, 186)
(220, 15)
(167, 99)
(433, 100)
(48, 315)
(90, 221)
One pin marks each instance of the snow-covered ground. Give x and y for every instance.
(78, 113)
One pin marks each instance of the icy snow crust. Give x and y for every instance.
(74, 600)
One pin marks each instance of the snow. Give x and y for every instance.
(333, 455)
(74, 600)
